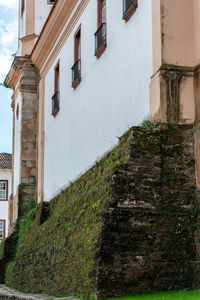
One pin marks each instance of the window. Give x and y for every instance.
(129, 7)
(17, 111)
(2, 229)
(100, 34)
(22, 7)
(3, 190)
(56, 96)
(76, 68)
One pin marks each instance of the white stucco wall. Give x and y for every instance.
(113, 94)
(5, 175)
(22, 21)
(42, 10)
(21, 27)
(17, 146)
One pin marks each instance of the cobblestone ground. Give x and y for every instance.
(8, 293)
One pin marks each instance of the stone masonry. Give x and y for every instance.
(127, 226)
(8, 293)
(29, 92)
(148, 240)
(28, 88)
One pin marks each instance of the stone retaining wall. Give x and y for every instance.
(126, 226)
(147, 242)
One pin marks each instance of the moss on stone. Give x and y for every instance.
(56, 251)
(126, 226)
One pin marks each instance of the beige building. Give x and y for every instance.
(61, 126)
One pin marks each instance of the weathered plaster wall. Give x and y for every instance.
(196, 13)
(177, 21)
(174, 58)
(100, 109)
(5, 175)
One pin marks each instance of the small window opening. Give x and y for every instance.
(22, 7)
(100, 34)
(51, 1)
(56, 96)
(2, 229)
(17, 111)
(76, 68)
(129, 7)
(3, 190)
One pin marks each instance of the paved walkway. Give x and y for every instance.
(6, 293)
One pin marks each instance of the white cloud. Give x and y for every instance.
(8, 41)
(5, 63)
(8, 38)
(8, 34)
(9, 3)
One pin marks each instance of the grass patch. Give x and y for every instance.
(180, 295)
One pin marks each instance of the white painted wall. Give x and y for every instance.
(112, 96)
(17, 146)
(5, 174)
(21, 27)
(42, 10)
(22, 21)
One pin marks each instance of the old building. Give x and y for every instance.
(5, 191)
(56, 76)
(86, 71)
(81, 77)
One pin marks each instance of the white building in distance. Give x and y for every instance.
(5, 191)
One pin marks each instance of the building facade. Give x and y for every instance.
(5, 192)
(81, 78)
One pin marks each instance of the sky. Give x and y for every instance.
(8, 46)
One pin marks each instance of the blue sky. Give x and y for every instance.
(8, 46)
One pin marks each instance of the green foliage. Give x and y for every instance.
(179, 295)
(57, 246)
(190, 161)
(147, 123)
(57, 243)
(26, 202)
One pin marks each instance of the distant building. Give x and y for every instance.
(81, 78)
(5, 191)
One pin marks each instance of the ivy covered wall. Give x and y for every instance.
(124, 227)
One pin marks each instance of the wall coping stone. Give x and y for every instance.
(16, 295)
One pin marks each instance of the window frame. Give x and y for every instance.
(17, 111)
(56, 96)
(22, 7)
(101, 26)
(51, 2)
(6, 199)
(77, 58)
(127, 13)
(4, 229)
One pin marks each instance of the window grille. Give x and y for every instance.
(129, 7)
(3, 190)
(100, 36)
(55, 103)
(76, 71)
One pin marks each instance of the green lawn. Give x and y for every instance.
(182, 295)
